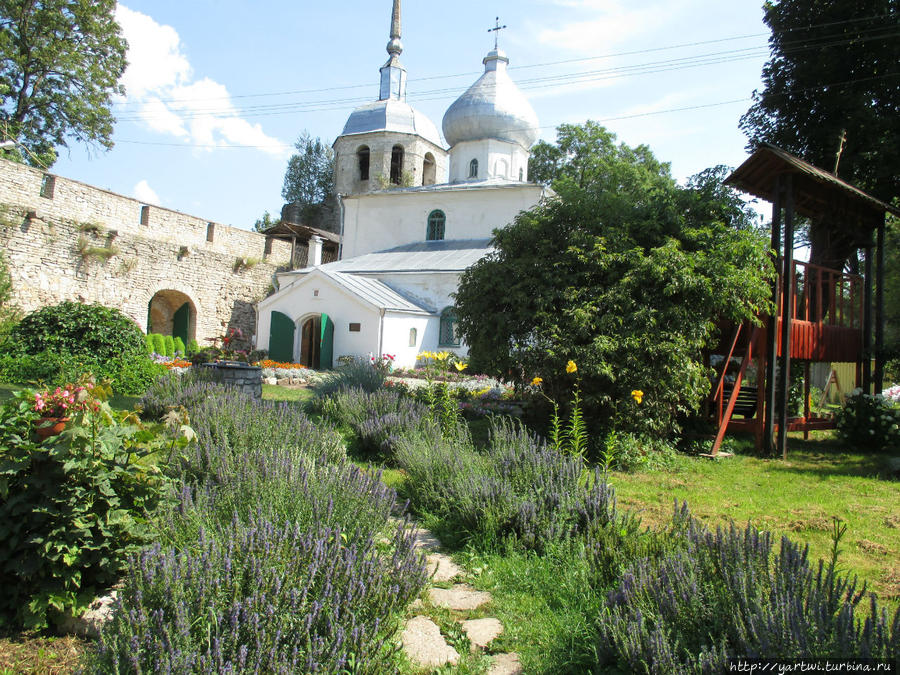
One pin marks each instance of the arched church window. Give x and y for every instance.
(473, 169)
(436, 221)
(429, 170)
(362, 157)
(521, 174)
(413, 337)
(448, 334)
(396, 164)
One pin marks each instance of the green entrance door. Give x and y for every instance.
(181, 319)
(326, 343)
(281, 338)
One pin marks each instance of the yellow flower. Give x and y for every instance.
(637, 395)
(571, 367)
(460, 366)
(425, 355)
(441, 356)
(536, 382)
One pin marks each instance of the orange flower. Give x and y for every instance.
(536, 382)
(637, 395)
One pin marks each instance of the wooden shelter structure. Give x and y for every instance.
(822, 314)
(300, 235)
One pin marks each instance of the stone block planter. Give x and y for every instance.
(245, 377)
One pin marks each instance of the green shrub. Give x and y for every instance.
(73, 507)
(179, 347)
(159, 344)
(869, 422)
(192, 347)
(93, 331)
(69, 339)
(9, 313)
(170, 346)
(148, 338)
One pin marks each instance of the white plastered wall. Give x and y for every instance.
(378, 221)
(316, 294)
(496, 159)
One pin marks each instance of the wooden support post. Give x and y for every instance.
(879, 308)
(868, 284)
(807, 413)
(787, 284)
(770, 357)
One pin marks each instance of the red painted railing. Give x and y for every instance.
(823, 295)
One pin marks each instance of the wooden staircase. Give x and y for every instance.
(734, 398)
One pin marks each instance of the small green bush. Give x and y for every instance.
(148, 338)
(869, 422)
(359, 373)
(179, 347)
(73, 506)
(170, 346)
(192, 347)
(159, 344)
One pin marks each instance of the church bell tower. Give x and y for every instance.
(388, 143)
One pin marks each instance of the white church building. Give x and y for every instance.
(404, 248)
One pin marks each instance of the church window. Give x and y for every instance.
(362, 157)
(521, 174)
(436, 221)
(210, 232)
(413, 337)
(448, 335)
(145, 215)
(429, 170)
(473, 169)
(396, 164)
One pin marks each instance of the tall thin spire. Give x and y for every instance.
(395, 30)
(393, 74)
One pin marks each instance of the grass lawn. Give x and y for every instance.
(798, 497)
(273, 392)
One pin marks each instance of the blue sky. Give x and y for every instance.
(219, 90)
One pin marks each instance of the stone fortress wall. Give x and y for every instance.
(65, 240)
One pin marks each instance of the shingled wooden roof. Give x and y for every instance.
(817, 192)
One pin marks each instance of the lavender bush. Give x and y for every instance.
(722, 594)
(259, 596)
(378, 419)
(518, 489)
(279, 555)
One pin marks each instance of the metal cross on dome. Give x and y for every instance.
(496, 31)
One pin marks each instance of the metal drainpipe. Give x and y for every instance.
(340, 199)
(380, 332)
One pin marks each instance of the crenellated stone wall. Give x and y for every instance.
(65, 240)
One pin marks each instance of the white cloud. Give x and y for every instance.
(159, 82)
(144, 193)
(605, 24)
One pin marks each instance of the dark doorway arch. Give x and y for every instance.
(317, 342)
(171, 312)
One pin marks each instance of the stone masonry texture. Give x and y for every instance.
(87, 244)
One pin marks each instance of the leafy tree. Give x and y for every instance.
(833, 69)
(626, 273)
(60, 62)
(264, 223)
(309, 178)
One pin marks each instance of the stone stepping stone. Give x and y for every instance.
(461, 597)
(426, 540)
(482, 632)
(424, 644)
(506, 664)
(441, 567)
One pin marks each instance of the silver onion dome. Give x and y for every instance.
(493, 107)
(391, 115)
